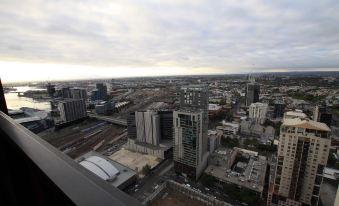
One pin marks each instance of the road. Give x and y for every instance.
(146, 185)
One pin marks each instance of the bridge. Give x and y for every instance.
(112, 120)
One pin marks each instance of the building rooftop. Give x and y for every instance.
(294, 114)
(101, 167)
(253, 172)
(307, 124)
(134, 160)
(113, 172)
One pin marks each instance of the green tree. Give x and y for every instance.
(146, 169)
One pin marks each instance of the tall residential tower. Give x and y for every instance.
(190, 131)
(302, 155)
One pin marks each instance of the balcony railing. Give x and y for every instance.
(35, 173)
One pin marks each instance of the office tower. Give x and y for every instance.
(302, 155)
(50, 89)
(72, 109)
(102, 91)
(252, 93)
(320, 114)
(190, 131)
(79, 93)
(279, 108)
(148, 127)
(257, 112)
(66, 93)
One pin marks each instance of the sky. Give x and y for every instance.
(53, 40)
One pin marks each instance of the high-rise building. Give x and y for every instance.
(50, 89)
(196, 97)
(190, 131)
(252, 93)
(159, 123)
(151, 132)
(320, 114)
(302, 155)
(102, 91)
(72, 109)
(279, 108)
(257, 112)
(189, 155)
(148, 127)
(79, 93)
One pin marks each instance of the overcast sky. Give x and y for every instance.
(50, 40)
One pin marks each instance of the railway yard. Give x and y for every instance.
(91, 134)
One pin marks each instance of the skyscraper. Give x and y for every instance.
(190, 131)
(302, 155)
(252, 93)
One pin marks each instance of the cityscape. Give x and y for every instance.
(254, 139)
(169, 103)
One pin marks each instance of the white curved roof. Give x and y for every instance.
(100, 167)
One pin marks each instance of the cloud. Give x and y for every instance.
(249, 35)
